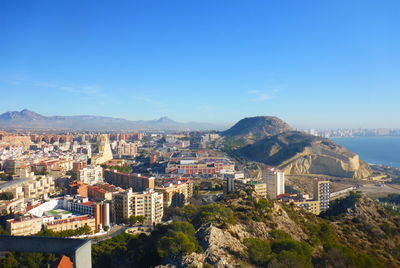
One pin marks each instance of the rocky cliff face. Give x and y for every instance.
(357, 226)
(299, 153)
(225, 247)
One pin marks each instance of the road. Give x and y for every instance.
(375, 191)
(116, 230)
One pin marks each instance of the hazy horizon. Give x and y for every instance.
(313, 64)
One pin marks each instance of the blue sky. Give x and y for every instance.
(332, 63)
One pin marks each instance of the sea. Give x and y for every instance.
(374, 150)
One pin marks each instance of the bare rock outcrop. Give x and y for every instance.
(299, 153)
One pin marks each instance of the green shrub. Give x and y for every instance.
(259, 251)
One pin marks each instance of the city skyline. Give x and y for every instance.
(312, 64)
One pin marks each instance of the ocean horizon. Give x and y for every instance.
(381, 150)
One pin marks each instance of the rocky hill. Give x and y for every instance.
(364, 234)
(252, 129)
(271, 141)
(241, 231)
(299, 153)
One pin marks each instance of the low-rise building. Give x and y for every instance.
(176, 193)
(78, 188)
(260, 188)
(97, 193)
(124, 180)
(29, 188)
(24, 225)
(99, 210)
(318, 204)
(71, 224)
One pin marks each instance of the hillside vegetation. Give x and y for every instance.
(245, 232)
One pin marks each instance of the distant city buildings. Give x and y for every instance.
(90, 174)
(260, 189)
(123, 149)
(105, 153)
(193, 164)
(331, 133)
(29, 188)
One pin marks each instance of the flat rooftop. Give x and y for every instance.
(13, 183)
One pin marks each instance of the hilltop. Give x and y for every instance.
(252, 129)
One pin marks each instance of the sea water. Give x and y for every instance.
(374, 150)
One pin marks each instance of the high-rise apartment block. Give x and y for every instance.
(148, 204)
(275, 180)
(321, 193)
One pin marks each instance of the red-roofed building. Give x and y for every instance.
(63, 262)
(71, 224)
(78, 188)
(97, 193)
(127, 180)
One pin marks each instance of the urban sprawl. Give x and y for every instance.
(101, 182)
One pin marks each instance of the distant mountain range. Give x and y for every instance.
(27, 119)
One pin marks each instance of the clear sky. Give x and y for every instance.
(331, 63)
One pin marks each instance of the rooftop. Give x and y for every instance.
(74, 219)
(13, 183)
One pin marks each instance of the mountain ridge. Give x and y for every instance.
(27, 119)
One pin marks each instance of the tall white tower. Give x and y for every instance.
(275, 180)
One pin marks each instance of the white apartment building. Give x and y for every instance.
(124, 148)
(275, 180)
(91, 175)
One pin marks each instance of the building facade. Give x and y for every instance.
(321, 192)
(24, 225)
(90, 175)
(71, 224)
(127, 180)
(275, 180)
(148, 204)
(176, 194)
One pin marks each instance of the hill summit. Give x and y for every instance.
(255, 128)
